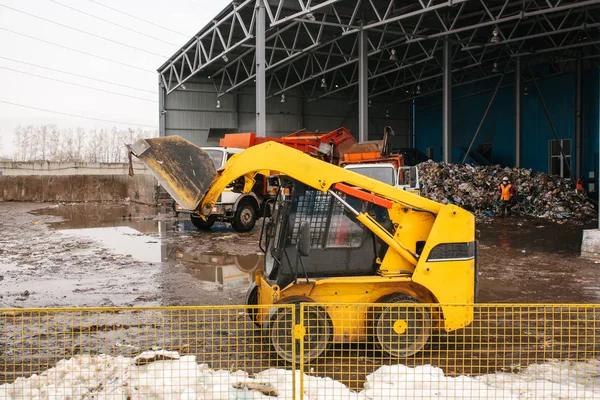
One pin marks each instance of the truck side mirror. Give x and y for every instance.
(303, 244)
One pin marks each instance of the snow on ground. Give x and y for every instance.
(169, 376)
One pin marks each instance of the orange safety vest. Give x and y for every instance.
(505, 192)
(579, 185)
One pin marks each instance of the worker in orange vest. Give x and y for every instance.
(506, 192)
(579, 185)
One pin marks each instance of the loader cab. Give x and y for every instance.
(338, 245)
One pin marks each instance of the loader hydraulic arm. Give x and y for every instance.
(271, 158)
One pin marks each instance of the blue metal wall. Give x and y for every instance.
(498, 128)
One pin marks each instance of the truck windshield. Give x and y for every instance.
(385, 175)
(216, 157)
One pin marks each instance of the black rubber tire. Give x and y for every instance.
(245, 217)
(319, 331)
(252, 300)
(202, 224)
(416, 334)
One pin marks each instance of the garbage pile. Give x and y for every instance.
(475, 189)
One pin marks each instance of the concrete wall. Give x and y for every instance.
(192, 114)
(12, 168)
(75, 182)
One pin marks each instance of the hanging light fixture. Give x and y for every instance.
(225, 58)
(282, 98)
(393, 56)
(183, 86)
(418, 91)
(526, 91)
(387, 113)
(495, 69)
(495, 36)
(369, 103)
(218, 104)
(310, 16)
(323, 83)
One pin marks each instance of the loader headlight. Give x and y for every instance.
(452, 252)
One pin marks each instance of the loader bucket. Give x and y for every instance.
(181, 167)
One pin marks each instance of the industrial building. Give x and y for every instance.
(510, 82)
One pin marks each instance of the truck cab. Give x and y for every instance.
(239, 209)
(405, 178)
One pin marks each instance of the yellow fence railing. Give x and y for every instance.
(400, 350)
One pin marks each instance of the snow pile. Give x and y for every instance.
(168, 376)
(475, 189)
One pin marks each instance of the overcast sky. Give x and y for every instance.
(184, 16)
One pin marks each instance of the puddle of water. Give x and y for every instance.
(123, 240)
(97, 215)
(230, 271)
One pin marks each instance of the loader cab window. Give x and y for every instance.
(340, 245)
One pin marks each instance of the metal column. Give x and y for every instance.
(162, 113)
(447, 105)
(261, 98)
(518, 110)
(363, 88)
(578, 96)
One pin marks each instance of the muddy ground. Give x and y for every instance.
(121, 255)
(106, 254)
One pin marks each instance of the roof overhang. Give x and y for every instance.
(308, 41)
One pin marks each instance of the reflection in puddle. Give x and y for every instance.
(230, 271)
(131, 230)
(122, 240)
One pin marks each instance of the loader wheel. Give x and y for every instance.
(245, 217)
(402, 330)
(201, 224)
(318, 331)
(252, 300)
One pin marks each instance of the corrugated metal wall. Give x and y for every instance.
(499, 126)
(192, 112)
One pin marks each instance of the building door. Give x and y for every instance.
(560, 162)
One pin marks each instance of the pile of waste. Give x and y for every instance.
(475, 189)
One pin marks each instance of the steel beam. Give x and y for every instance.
(518, 110)
(261, 98)
(578, 98)
(447, 106)
(363, 87)
(485, 114)
(162, 113)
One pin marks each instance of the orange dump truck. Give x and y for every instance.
(339, 147)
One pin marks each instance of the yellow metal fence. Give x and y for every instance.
(301, 351)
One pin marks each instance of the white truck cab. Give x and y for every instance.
(240, 209)
(405, 178)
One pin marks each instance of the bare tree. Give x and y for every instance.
(48, 142)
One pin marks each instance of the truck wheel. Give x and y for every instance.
(199, 223)
(318, 331)
(404, 329)
(245, 217)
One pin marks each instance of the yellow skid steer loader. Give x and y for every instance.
(335, 236)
